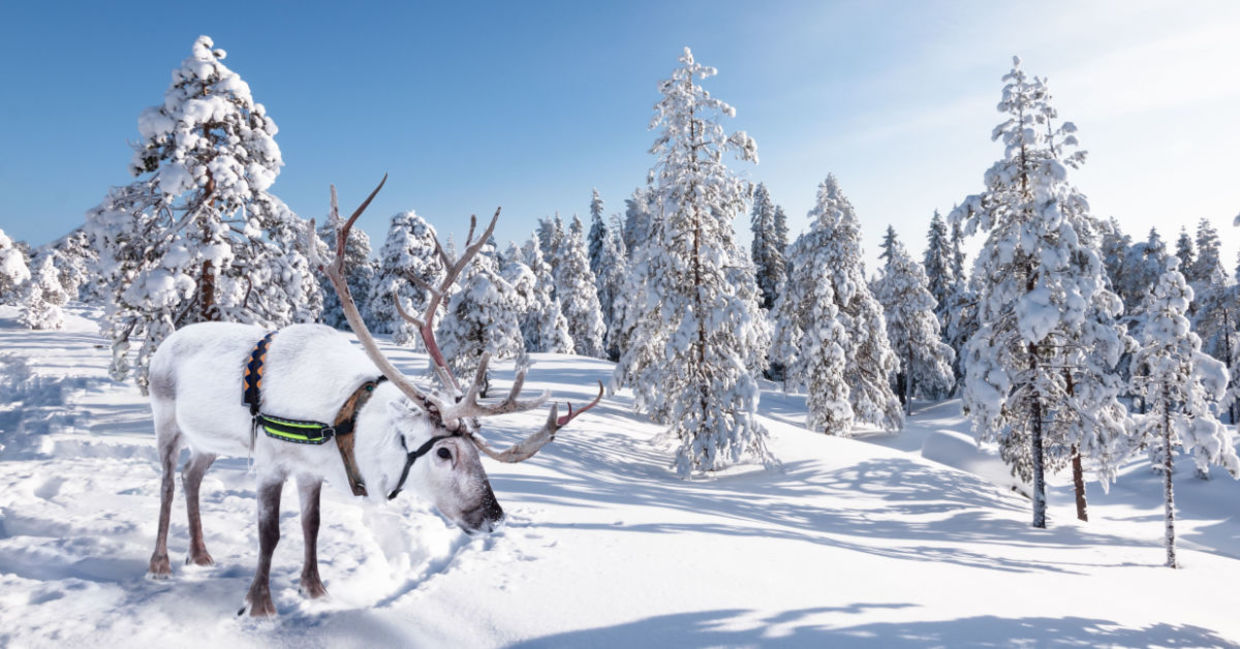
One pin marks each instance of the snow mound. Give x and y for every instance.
(960, 451)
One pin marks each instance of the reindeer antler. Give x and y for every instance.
(461, 406)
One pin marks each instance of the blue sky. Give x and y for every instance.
(529, 105)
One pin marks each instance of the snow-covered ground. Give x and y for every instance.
(850, 543)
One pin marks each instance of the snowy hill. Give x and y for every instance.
(850, 543)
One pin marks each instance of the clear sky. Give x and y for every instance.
(529, 105)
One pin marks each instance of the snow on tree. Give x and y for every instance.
(913, 329)
(1185, 250)
(483, 316)
(14, 270)
(1209, 257)
(1181, 385)
(598, 234)
(767, 247)
(359, 273)
(576, 289)
(550, 237)
(525, 293)
(937, 263)
(693, 330)
(198, 236)
(1114, 250)
(637, 218)
(1040, 377)
(1144, 263)
(610, 283)
(44, 297)
(408, 252)
(76, 264)
(830, 252)
(543, 327)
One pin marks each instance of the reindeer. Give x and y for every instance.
(390, 433)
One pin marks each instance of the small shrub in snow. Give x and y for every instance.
(44, 297)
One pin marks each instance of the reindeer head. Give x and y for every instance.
(438, 431)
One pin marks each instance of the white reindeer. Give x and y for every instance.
(406, 437)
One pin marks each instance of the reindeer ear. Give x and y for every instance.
(403, 408)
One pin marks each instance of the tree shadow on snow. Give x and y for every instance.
(914, 511)
(791, 629)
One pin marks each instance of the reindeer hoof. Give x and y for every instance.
(259, 601)
(199, 559)
(312, 589)
(161, 567)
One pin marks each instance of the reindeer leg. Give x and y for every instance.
(160, 567)
(259, 597)
(191, 478)
(308, 490)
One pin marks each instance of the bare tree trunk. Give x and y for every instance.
(1168, 491)
(1078, 471)
(206, 292)
(1078, 481)
(1039, 477)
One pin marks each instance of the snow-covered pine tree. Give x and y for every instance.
(525, 294)
(1048, 340)
(198, 236)
(1181, 385)
(693, 326)
(408, 251)
(1144, 263)
(813, 342)
(937, 263)
(359, 273)
(598, 234)
(637, 218)
(1114, 251)
(483, 316)
(767, 248)
(544, 327)
(781, 236)
(1209, 257)
(550, 237)
(1185, 251)
(44, 297)
(610, 283)
(576, 289)
(830, 252)
(912, 328)
(14, 270)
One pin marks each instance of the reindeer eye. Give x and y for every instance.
(445, 453)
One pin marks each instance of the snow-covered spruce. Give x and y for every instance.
(913, 329)
(830, 253)
(1181, 387)
(938, 265)
(360, 272)
(550, 237)
(576, 289)
(482, 317)
(1040, 374)
(407, 252)
(75, 263)
(694, 329)
(609, 281)
(767, 247)
(543, 326)
(14, 270)
(638, 219)
(198, 236)
(44, 297)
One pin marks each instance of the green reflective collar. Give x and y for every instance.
(292, 430)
